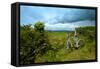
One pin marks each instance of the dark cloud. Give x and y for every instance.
(77, 15)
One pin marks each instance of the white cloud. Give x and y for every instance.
(68, 26)
(59, 26)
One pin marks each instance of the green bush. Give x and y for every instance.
(33, 41)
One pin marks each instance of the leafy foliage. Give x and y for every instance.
(32, 42)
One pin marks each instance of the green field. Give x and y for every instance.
(58, 41)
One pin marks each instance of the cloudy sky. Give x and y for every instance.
(57, 18)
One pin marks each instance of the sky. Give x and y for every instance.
(56, 18)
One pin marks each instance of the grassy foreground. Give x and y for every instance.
(58, 41)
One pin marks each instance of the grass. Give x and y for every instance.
(58, 41)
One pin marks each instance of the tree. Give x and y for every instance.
(39, 26)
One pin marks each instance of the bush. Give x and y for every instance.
(33, 41)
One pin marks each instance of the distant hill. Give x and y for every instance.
(59, 30)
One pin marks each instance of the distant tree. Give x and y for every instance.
(39, 26)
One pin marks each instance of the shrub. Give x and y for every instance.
(33, 41)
